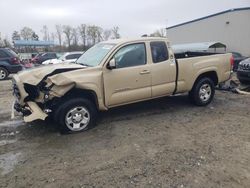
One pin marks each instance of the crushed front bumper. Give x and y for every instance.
(31, 111)
(20, 109)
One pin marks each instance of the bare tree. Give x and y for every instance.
(6, 43)
(16, 36)
(45, 32)
(107, 34)
(26, 33)
(59, 34)
(115, 32)
(95, 34)
(1, 42)
(159, 33)
(52, 36)
(67, 30)
(75, 36)
(83, 33)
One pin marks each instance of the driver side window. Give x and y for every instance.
(131, 55)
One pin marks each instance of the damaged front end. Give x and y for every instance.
(36, 94)
(32, 101)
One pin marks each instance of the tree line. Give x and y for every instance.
(66, 37)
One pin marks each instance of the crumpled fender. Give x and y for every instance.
(89, 79)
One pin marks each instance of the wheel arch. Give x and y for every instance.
(6, 70)
(86, 93)
(209, 74)
(3, 66)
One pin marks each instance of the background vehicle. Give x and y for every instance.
(243, 72)
(41, 57)
(9, 63)
(68, 57)
(237, 59)
(115, 73)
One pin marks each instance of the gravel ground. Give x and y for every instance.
(160, 143)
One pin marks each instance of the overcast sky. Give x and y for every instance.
(134, 17)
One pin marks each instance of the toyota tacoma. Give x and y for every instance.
(115, 73)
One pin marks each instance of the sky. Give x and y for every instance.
(134, 17)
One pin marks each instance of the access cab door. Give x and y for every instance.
(163, 69)
(130, 81)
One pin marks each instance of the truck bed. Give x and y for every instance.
(190, 67)
(189, 54)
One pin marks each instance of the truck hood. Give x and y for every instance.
(35, 75)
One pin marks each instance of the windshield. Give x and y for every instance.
(95, 55)
(12, 52)
(38, 55)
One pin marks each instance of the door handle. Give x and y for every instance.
(145, 72)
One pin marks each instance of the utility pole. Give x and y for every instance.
(166, 27)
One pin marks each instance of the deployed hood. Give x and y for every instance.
(35, 75)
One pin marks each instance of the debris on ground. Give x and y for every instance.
(234, 86)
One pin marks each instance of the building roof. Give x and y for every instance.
(197, 47)
(32, 43)
(209, 16)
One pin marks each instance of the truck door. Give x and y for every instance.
(163, 69)
(130, 81)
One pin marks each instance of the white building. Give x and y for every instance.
(231, 27)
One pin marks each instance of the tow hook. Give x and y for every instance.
(47, 111)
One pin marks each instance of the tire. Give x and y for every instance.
(3, 73)
(244, 82)
(76, 115)
(203, 92)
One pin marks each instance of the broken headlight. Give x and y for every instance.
(32, 91)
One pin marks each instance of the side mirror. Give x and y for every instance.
(111, 64)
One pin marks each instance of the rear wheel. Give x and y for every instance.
(203, 92)
(3, 73)
(76, 115)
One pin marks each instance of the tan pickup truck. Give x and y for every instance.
(115, 73)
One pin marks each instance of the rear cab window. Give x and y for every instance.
(159, 51)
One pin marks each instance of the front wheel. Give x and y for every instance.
(76, 115)
(203, 92)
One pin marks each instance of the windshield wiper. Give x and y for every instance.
(85, 65)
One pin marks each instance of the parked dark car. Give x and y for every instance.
(9, 63)
(237, 59)
(41, 57)
(243, 72)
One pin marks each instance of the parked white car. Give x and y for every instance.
(68, 57)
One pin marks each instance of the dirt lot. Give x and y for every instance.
(162, 143)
